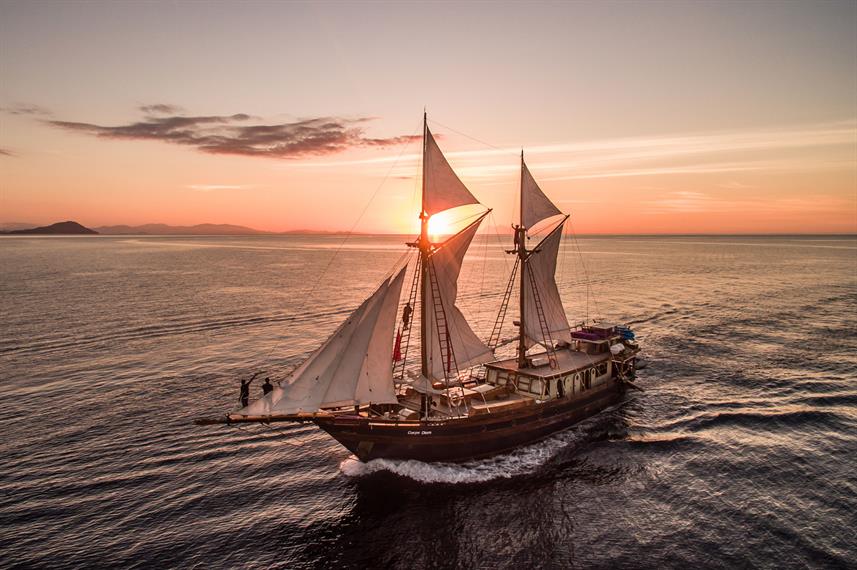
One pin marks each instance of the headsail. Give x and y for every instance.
(450, 342)
(443, 189)
(351, 367)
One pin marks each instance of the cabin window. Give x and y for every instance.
(602, 369)
(502, 378)
(537, 387)
(593, 377)
(524, 383)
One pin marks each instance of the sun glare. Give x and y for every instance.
(440, 225)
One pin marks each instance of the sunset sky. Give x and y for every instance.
(685, 117)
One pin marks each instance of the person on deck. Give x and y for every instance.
(406, 314)
(517, 237)
(267, 387)
(245, 390)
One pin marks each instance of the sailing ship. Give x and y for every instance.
(463, 402)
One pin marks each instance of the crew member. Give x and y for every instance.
(267, 387)
(406, 313)
(245, 390)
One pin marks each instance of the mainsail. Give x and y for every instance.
(461, 347)
(351, 367)
(443, 189)
(448, 343)
(545, 320)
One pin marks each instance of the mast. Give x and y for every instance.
(424, 247)
(520, 238)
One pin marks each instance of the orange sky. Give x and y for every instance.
(655, 118)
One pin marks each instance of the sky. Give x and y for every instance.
(635, 117)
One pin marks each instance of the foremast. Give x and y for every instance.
(447, 342)
(424, 247)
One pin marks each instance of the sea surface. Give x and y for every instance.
(741, 451)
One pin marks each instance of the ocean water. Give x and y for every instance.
(741, 451)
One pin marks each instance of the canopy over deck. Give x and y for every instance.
(567, 361)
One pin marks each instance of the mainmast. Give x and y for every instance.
(542, 318)
(521, 250)
(425, 248)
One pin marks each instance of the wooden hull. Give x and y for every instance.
(466, 438)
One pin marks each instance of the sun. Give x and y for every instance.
(440, 225)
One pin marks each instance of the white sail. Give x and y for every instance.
(443, 189)
(541, 264)
(535, 206)
(375, 383)
(467, 349)
(332, 374)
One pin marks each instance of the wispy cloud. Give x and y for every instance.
(232, 135)
(690, 202)
(714, 168)
(4, 152)
(785, 149)
(26, 109)
(160, 109)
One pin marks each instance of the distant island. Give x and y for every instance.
(74, 228)
(164, 229)
(59, 228)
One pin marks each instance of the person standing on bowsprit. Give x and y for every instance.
(245, 390)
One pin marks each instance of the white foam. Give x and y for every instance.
(521, 461)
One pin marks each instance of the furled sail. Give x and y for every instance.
(443, 189)
(535, 206)
(467, 349)
(352, 367)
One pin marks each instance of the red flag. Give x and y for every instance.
(397, 349)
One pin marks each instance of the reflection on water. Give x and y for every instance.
(739, 452)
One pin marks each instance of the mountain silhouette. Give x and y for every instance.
(59, 228)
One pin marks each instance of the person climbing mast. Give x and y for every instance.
(406, 314)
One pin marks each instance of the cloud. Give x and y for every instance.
(160, 109)
(231, 135)
(26, 109)
(690, 202)
(4, 152)
(796, 148)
